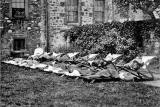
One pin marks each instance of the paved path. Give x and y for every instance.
(156, 82)
(153, 83)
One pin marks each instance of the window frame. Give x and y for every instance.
(78, 14)
(26, 4)
(19, 36)
(17, 47)
(103, 17)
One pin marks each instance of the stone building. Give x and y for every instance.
(23, 26)
(28, 22)
(64, 14)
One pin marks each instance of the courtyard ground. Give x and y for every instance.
(32, 88)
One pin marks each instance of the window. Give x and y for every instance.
(99, 11)
(72, 11)
(19, 9)
(18, 44)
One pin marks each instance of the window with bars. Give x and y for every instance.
(19, 9)
(72, 11)
(99, 6)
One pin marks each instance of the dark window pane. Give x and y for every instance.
(18, 44)
(18, 9)
(72, 16)
(18, 12)
(99, 11)
(98, 17)
(72, 11)
(72, 2)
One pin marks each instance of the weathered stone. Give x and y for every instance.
(33, 35)
(49, 25)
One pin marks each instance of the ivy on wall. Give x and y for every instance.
(115, 37)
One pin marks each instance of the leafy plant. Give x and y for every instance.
(147, 6)
(126, 38)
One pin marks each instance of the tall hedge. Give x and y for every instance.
(115, 37)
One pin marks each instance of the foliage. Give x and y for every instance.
(126, 38)
(147, 6)
(105, 38)
(65, 49)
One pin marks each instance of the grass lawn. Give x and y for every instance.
(27, 88)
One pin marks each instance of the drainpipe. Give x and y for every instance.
(46, 24)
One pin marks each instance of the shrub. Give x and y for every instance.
(65, 49)
(126, 38)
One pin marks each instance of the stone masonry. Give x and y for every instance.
(57, 15)
(32, 29)
(46, 22)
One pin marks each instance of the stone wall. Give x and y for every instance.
(32, 29)
(53, 15)
(152, 44)
(56, 23)
(87, 12)
(57, 15)
(36, 33)
(108, 11)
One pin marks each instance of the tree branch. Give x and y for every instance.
(147, 6)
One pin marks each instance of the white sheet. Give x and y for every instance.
(71, 55)
(111, 57)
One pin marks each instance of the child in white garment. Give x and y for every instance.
(38, 52)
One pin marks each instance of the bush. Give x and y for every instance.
(125, 38)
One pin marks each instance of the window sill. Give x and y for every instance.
(19, 51)
(75, 24)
